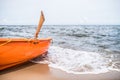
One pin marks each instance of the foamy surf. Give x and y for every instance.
(79, 62)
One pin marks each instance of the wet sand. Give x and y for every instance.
(27, 71)
(32, 71)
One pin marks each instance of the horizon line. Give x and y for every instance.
(61, 24)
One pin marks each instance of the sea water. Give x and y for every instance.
(77, 49)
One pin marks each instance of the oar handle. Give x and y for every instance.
(42, 19)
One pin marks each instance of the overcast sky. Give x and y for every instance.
(63, 12)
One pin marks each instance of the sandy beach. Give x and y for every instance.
(32, 71)
(27, 71)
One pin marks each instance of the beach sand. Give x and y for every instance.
(27, 71)
(33, 71)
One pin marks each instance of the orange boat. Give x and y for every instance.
(14, 51)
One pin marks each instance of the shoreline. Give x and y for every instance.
(34, 71)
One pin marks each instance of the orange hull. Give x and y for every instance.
(16, 51)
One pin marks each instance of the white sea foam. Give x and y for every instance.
(77, 62)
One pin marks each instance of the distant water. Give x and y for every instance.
(75, 48)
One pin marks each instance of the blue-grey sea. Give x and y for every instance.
(75, 48)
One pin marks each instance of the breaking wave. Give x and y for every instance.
(77, 62)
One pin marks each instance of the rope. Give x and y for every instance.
(27, 39)
(11, 40)
(6, 42)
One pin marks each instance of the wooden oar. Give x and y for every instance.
(42, 19)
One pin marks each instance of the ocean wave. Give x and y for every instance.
(79, 62)
(79, 35)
